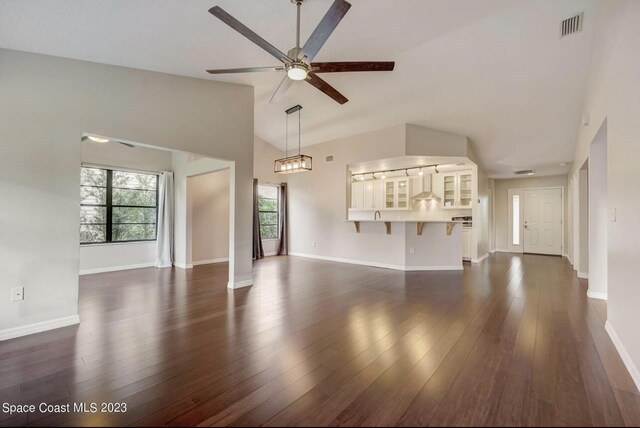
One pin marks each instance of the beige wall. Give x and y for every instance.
(47, 102)
(613, 93)
(210, 204)
(502, 208)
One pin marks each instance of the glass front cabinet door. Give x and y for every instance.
(449, 198)
(389, 194)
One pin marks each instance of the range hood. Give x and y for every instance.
(426, 194)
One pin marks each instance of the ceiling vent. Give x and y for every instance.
(525, 172)
(329, 158)
(571, 25)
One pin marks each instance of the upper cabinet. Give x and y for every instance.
(397, 193)
(457, 190)
(367, 195)
(389, 194)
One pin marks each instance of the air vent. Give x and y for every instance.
(571, 25)
(329, 158)
(525, 172)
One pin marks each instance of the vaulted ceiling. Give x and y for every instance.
(494, 70)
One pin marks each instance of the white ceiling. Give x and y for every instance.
(494, 70)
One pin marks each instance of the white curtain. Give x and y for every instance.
(164, 249)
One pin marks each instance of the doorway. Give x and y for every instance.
(536, 220)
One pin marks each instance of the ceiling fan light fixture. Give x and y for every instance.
(297, 72)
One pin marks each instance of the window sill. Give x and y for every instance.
(108, 244)
(270, 239)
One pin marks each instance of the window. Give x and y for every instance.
(117, 206)
(516, 220)
(268, 210)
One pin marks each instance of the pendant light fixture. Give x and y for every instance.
(296, 163)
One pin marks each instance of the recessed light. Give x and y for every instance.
(98, 139)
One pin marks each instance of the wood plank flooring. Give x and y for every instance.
(513, 341)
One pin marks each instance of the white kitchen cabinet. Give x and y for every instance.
(397, 193)
(357, 195)
(367, 195)
(466, 243)
(457, 190)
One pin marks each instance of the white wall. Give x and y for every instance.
(47, 103)
(319, 201)
(116, 256)
(598, 215)
(185, 167)
(613, 93)
(210, 224)
(502, 187)
(583, 219)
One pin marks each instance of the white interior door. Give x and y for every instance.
(543, 221)
(515, 220)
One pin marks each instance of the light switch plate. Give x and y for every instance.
(17, 294)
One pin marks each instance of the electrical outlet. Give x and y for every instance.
(410, 250)
(613, 215)
(17, 294)
(313, 243)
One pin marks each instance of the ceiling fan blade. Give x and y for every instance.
(316, 81)
(131, 146)
(244, 70)
(282, 89)
(329, 22)
(339, 67)
(222, 15)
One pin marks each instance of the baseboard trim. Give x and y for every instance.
(583, 275)
(275, 253)
(38, 327)
(597, 295)
(116, 268)
(210, 261)
(479, 259)
(239, 284)
(183, 265)
(501, 250)
(375, 264)
(624, 355)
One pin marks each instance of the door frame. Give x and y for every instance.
(520, 191)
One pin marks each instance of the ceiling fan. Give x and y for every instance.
(298, 61)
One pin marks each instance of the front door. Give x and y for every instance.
(543, 221)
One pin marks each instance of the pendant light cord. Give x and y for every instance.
(299, 132)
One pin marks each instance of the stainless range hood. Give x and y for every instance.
(426, 194)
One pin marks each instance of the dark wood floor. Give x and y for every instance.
(511, 341)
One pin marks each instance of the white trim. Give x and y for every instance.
(375, 264)
(624, 355)
(275, 253)
(583, 275)
(597, 295)
(210, 261)
(38, 327)
(422, 268)
(479, 259)
(501, 250)
(492, 251)
(240, 284)
(183, 265)
(115, 268)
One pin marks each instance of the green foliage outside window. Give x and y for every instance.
(117, 206)
(268, 211)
